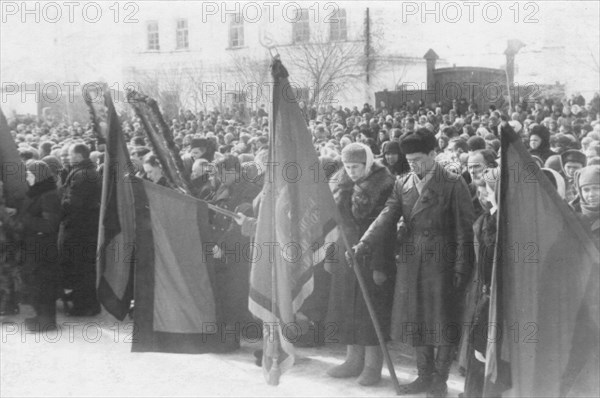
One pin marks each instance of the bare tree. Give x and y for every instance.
(328, 65)
(251, 73)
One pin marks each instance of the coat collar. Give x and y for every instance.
(431, 191)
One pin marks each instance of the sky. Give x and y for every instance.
(95, 47)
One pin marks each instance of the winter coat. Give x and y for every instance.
(41, 220)
(81, 202)
(436, 242)
(232, 269)
(359, 204)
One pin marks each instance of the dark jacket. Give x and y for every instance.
(359, 204)
(436, 243)
(81, 201)
(41, 220)
(201, 188)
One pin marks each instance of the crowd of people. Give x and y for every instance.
(380, 161)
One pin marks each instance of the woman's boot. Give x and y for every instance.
(371, 373)
(352, 366)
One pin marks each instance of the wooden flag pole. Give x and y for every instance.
(363, 288)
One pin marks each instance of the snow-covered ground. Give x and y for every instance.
(90, 357)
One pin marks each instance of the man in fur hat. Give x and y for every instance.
(435, 260)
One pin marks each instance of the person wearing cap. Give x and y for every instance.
(435, 260)
(41, 221)
(571, 161)
(360, 190)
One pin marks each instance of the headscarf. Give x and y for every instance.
(589, 175)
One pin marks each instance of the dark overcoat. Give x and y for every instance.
(435, 243)
(359, 204)
(41, 220)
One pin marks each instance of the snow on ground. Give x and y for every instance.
(90, 357)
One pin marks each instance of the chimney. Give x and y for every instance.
(430, 57)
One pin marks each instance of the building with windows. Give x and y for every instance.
(201, 57)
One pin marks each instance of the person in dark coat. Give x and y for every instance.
(81, 207)
(436, 259)
(10, 255)
(477, 312)
(41, 220)
(539, 142)
(230, 257)
(360, 190)
(200, 184)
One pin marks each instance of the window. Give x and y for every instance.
(182, 34)
(337, 28)
(300, 29)
(236, 32)
(153, 42)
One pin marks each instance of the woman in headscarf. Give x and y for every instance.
(476, 313)
(587, 202)
(360, 190)
(539, 142)
(41, 220)
(393, 159)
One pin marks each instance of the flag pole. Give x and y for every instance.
(363, 287)
(274, 373)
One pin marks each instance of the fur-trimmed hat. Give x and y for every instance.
(354, 153)
(421, 141)
(589, 175)
(573, 155)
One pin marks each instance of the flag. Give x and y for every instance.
(12, 168)
(543, 333)
(296, 213)
(116, 232)
(174, 299)
(151, 249)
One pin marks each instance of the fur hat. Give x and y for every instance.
(476, 142)
(422, 141)
(573, 155)
(354, 153)
(589, 175)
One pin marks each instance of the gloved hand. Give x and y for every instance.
(361, 250)
(379, 277)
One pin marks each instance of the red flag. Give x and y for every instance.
(296, 212)
(155, 235)
(543, 331)
(116, 236)
(174, 298)
(12, 168)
